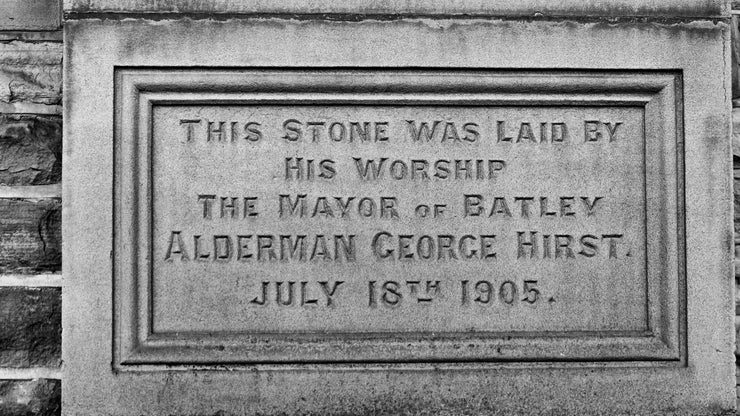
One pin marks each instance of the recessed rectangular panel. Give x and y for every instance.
(343, 216)
(397, 218)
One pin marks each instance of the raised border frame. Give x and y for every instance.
(137, 90)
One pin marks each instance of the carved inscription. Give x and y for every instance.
(383, 218)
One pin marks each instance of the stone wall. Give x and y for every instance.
(30, 207)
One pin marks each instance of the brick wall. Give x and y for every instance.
(30, 207)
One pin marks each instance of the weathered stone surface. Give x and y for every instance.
(673, 354)
(31, 72)
(30, 15)
(403, 204)
(38, 397)
(30, 149)
(30, 327)
(533, 8)
(30, 235)
(736, 194)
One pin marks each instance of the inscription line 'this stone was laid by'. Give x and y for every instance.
(422, 132)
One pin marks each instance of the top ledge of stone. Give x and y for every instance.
(602, 8)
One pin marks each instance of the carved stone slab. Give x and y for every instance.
(271, 217)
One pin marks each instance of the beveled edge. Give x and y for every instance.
(394, 9)
(138, 88)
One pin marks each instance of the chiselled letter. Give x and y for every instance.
(292, 130)
(228, 207)
(359, 132)
(525, 133)
(250, 206)
(592, 130)
(279, 294)
(337, 134)
(379, 252)
(423, 132)
(501, 132)
(265, 249)
(242, 247)
(290, 250)
(381, 131)
(315, 127)
(589, 247)
(590, 206)
(472, 132)
(222, 247)
(320, 250)
(524, 247)
(370, 170)
(297, 207)
(525, 201)
(207, 201)
(563, 244)
(330, 291)
(189, 128)
(199, 255)
(559, 133)
(213, 131)
(566, 206)
(543, 208)
(612, 238)
(612, 130)
(305, 300)
(450, 133)
(263, 300)
(176, 246)
(500, 207)
(344, 246)
(472, 205)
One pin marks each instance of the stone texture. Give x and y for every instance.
(31, 72)
(736, 195)
(30, 149)
(30, 15)
(38, 397)
(735, 33)
(699, 380)
(532, 8)
(30, 327)
(30, 235)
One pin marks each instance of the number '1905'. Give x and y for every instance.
(507, 292)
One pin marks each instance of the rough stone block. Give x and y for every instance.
(31, 72)
(30, 235)
(39, 397)
(30, 327)
(30, 149)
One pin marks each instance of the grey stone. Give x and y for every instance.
(429, 8)
(31, 15)
(181, 135)
(30, 149)
(39, 397)
(30, 235)
(31, 72)
(30, 328)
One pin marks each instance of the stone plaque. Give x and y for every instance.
(328, 213)
(450, 210)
